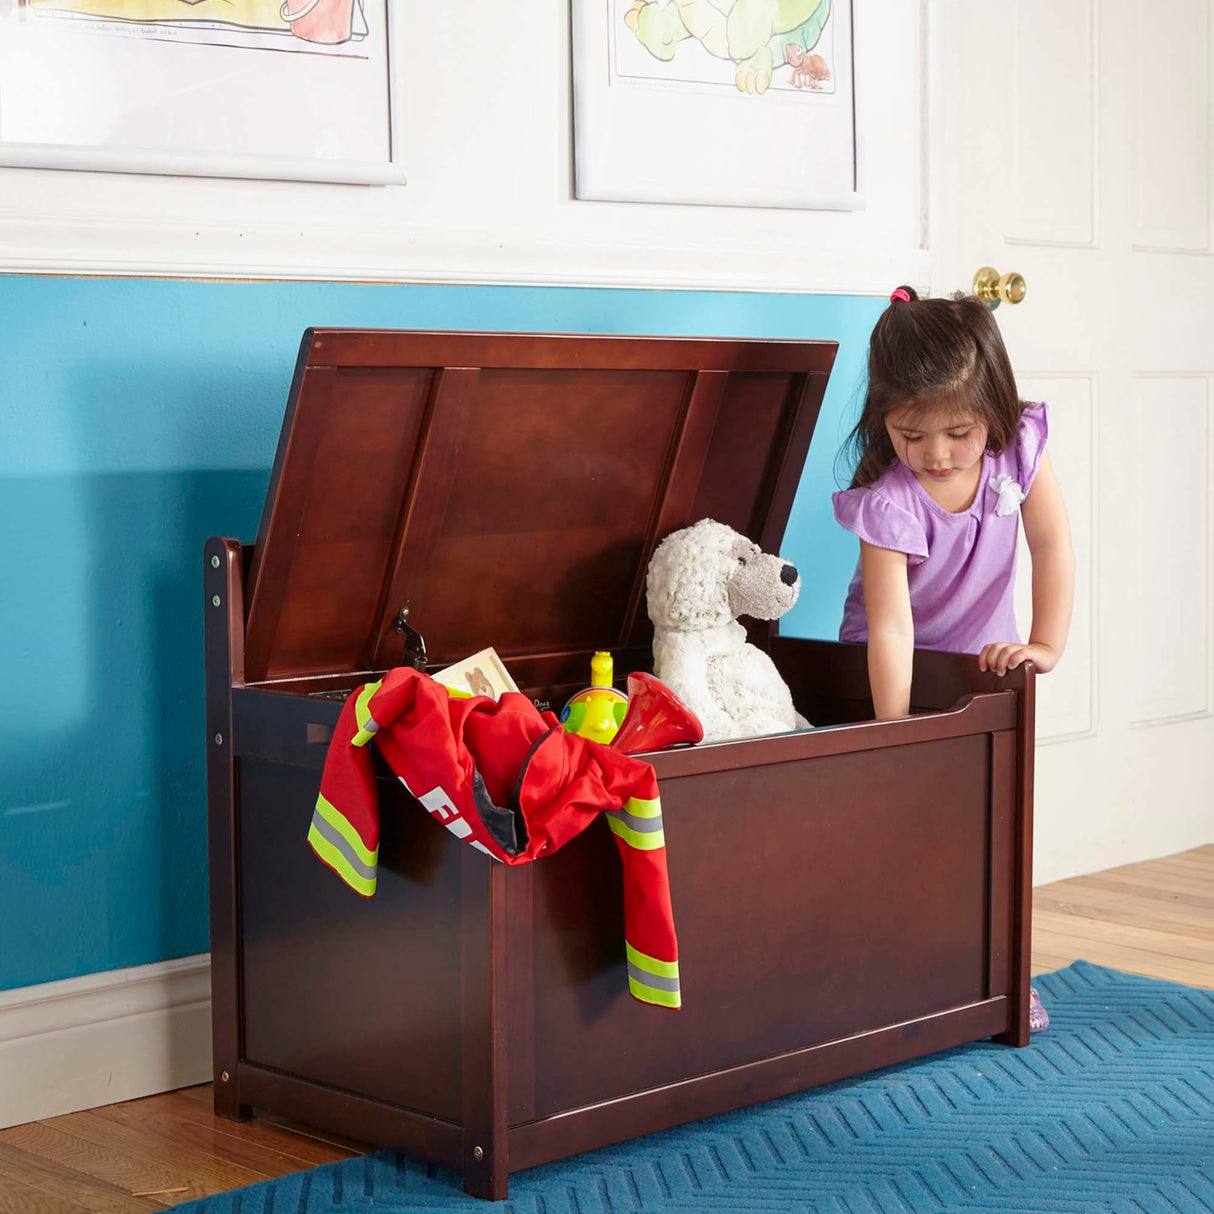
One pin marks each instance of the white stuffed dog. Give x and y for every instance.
(699, 580)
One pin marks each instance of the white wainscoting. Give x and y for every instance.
(103, 1038)
(489, 159)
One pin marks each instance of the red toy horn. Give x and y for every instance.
(656, 717)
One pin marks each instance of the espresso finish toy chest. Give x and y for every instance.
(845, 897)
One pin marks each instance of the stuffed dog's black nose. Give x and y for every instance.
(788, 574)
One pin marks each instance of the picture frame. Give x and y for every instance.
(678, 101)
(298, 90)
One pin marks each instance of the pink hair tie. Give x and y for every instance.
(901, 294)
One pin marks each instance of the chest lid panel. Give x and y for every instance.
(509, 489)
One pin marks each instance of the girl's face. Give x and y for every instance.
(937, 446)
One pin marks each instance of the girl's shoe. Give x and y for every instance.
(1039, 1018)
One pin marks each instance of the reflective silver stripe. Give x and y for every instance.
(334, 837)
(643, 826)
(366, 732)
(655, 981)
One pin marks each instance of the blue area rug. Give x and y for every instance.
(1111, 1109)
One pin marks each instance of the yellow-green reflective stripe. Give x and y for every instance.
(648, 994)
(640, 808)
(331, 835)
(362, 714)
(337, 859)
(652, 980)
(335, 818)
(650, 840)
(666, 969)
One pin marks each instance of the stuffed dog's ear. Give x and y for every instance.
(743, 550)
(685, 583)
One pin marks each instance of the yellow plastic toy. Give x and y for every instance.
(596, 712)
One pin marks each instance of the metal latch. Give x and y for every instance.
(415, 644)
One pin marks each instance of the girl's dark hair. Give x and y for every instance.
(924, 354)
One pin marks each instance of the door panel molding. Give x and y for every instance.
(1055, 139)
(1175, 514)
(1068, 698)
(1170, 132)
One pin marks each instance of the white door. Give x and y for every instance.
(1069, 140)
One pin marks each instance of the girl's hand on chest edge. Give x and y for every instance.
(1002, 656)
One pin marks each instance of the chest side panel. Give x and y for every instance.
(358, 993)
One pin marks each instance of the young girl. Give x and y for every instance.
(948, 460)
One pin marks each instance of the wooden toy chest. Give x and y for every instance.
(845, 898)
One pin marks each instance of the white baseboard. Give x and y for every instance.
(84, 1042)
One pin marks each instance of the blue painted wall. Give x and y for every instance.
(138, 418)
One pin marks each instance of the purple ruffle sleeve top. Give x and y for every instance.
(961, 568)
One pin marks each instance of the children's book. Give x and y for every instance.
(480, 675)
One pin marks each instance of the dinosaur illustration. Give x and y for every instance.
(759, 36)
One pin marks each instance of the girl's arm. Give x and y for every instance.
(891, 629)
(1049, 538)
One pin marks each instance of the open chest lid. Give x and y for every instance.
(509, 489)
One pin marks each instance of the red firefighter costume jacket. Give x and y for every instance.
(508, 780)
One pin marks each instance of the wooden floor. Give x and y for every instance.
(1155, 918)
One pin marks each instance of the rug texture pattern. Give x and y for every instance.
(1111, 1109)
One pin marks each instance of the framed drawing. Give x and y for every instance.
(735, 102)
(291, 89)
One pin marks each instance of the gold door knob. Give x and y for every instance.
(994, 288)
